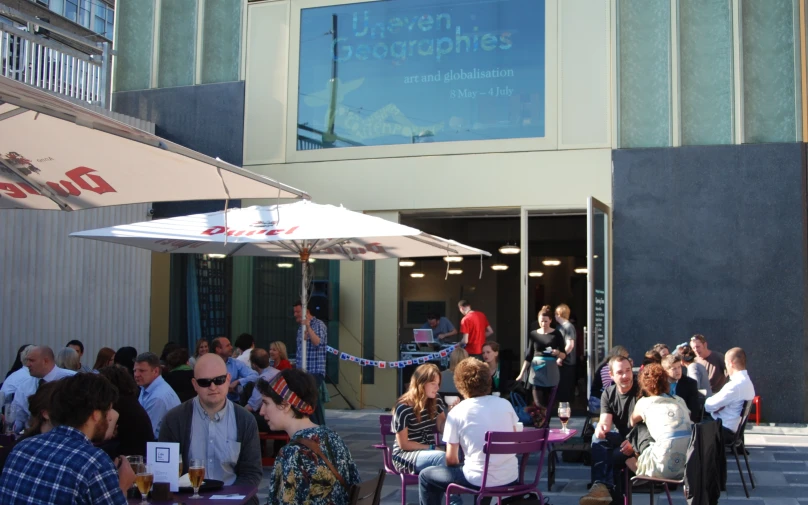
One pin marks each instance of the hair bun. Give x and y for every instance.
(546, 308)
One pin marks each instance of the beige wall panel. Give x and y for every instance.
(266, 77)
(383, 391)
(584, 79)
(350, 330)
(551, 179)
(160, 298)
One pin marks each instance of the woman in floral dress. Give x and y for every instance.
(301, 475)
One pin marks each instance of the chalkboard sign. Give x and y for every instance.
(417, 311)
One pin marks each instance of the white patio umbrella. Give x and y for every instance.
(57, 155)
(302, 230)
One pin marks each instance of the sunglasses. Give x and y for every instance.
(205, 383)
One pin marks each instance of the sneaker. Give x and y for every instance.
(598, 495)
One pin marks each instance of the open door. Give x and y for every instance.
(598, 324)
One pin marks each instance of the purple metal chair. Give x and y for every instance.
(407, 479)
(499, 442)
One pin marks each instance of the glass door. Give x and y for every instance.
(598, 258)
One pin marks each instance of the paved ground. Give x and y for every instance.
(779, 460)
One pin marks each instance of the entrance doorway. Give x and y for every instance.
(556, 257)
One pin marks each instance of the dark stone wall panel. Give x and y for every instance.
(711, 240)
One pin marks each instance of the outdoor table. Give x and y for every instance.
(556, 436)
(247, 491)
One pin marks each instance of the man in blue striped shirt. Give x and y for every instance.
(238, 370)
(62, 467)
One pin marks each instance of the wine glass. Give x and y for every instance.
(564, 413)
(144, 480)
(196, 472)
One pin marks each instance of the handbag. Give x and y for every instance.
(315, 448)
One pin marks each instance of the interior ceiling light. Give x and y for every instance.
(580, 270)
(312, 260)
(285, 265)
(417, 275)
(406, 263)
(499, 267)
(455, 271)
(535, 274)
(216, 256)
(510, 248)
(453, 259)
(551, 263)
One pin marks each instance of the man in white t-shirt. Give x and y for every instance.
(465, 429)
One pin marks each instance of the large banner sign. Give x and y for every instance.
(410, 71)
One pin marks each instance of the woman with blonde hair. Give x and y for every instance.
(202, 348)
(418, 413)
(447, 385)
(277, 353)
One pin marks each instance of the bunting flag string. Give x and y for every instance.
(391, 364)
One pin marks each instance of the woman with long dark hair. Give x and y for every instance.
(546, 345)
(125, 356)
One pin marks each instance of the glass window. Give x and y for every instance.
(57, 6)
(134, 45)
(71, 9)
(110, 20)
(100, 19)
(177, 44)
(768, 71)
(221, 41)
(705, 71)
(84, 14)
(644, 51)
(410, 71)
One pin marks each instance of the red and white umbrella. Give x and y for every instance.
(57, 155)
(302, 230)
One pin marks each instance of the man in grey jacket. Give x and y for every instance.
(212, 428)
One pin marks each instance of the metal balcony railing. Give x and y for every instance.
(50, 65)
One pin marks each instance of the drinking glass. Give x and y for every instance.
(564, 413)
(8, 420)
(180, 463)
(144, 480)
(196, 472)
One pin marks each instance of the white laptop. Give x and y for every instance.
(421, 336)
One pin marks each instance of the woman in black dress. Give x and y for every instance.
(134, 425)
(545, 346)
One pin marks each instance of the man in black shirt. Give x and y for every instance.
(610, 450)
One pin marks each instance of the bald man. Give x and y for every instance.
(42, 368)
(727, 404)
(212, 428)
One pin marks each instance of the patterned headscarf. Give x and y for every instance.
(282, 389)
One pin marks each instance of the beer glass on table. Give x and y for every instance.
(196, 472)
(144, 480)
(564, 413)
(180, 463)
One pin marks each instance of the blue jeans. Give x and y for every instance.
(427, 458)
(607, 460)
(433, 481)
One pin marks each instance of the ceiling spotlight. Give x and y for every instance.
(285, 265)
(406, 263)
(417, 275)
(453, 259)
(312, 260)
(510, 248)
(535, 274)
(455, 271)
(499, 267)
(580, 270)
(551, 263)
(216, 256)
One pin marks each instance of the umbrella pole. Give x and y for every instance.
(304, 302)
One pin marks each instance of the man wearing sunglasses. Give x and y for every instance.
(212, 428)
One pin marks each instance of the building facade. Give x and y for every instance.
(678, 124)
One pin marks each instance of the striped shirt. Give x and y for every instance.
(422, 432)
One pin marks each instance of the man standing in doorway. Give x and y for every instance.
(474, 329)
(316, 338)
(567, 366)
(712, 361)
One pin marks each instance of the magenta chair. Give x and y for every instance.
(407, 479)
(499, 442)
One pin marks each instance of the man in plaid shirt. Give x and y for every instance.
(316, 337)
(62, 466)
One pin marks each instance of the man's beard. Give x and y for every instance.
(100, 430)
